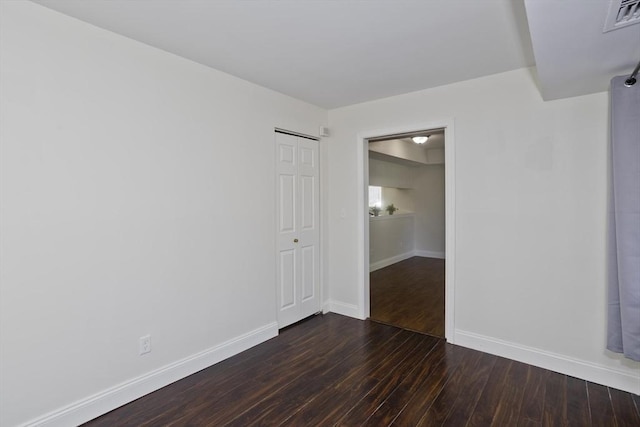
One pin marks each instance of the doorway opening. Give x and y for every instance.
(375, 262)
(407, 231)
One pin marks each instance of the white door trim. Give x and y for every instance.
(362, 215)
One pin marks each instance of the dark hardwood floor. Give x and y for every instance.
(410, 294)
(332, 370)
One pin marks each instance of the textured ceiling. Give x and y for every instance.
(328, 53)
(573, 56)
(336, 53)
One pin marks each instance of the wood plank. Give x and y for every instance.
(508, 409)
(278, 407)
(490, 399)
(600, 404)
(410, 294)
(533, 397)
(337, 401)
(389, 410)
(431, 387)
(577, 403)
(332, 368)
(174, 399)
(178, 395)
(231, 384)
(526, 422)
(388, 381)
(466, 402)
(263, 376)
(554, 412)
(636, 400)
(624, 408)
(444, 403)
(265, 384)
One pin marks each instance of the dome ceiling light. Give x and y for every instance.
(420, 139)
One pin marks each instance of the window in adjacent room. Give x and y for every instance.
(375, 196)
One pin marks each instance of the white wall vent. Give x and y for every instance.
(621, 14)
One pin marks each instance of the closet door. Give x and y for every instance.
(297, 212)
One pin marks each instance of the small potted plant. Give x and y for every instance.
(391, 209)
(374, 211)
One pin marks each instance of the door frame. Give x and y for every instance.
(362, 215)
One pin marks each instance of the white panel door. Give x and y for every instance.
(297, 212)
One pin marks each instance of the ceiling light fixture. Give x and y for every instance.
(420, 139)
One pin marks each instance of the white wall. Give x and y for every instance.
(388, 174)
(530, 217)
(408, 151)
(391, 239)
(401, 149)
(402, 199)
(137, 198)
(428, 202)
(116, 158)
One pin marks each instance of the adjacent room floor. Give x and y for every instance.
(333, 370)
(410, 294)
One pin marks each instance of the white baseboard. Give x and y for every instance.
(350, 310)
(388, 261)
(554, 362)
(114, 397)
(326, 307)
(429, 254)
(392, 260)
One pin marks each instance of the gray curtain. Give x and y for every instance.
(623, 332)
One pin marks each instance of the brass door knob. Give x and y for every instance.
(295, 240)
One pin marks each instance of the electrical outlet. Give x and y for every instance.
(145, 344)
